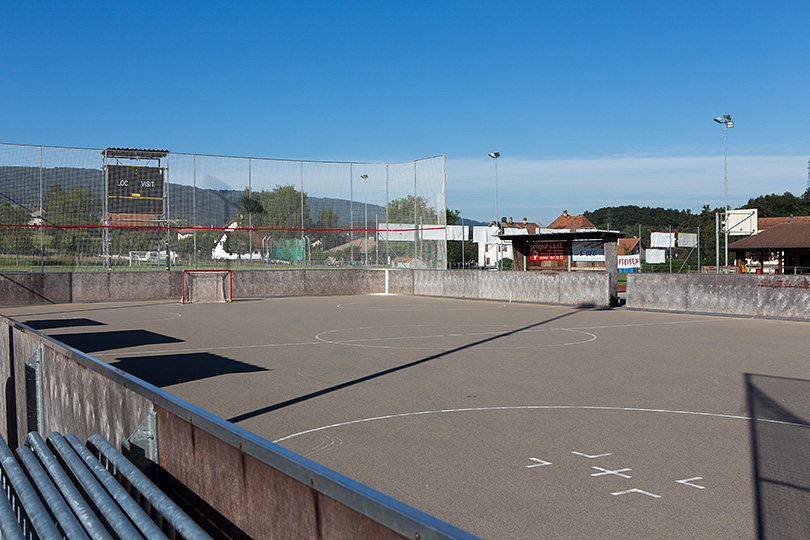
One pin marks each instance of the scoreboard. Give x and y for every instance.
(135, 190)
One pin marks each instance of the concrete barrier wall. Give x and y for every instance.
(570, 288)
(239, 484)
(783, 297)
(585, 288)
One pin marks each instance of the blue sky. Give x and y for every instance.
(589, 103)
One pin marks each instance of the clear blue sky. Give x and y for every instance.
(589, 103)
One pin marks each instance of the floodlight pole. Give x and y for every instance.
(727, 123)
(495, 156)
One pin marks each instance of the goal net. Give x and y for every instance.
(206, 286)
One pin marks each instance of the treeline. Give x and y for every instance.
(628, 218)
(631, 219)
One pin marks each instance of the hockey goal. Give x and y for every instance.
(207, 286)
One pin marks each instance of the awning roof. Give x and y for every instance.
(793, 235)
(138, 153)
(565, 235)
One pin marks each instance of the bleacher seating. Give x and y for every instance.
(60, 488)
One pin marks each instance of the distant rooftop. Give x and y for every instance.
(572, 223)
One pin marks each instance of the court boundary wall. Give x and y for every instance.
(771, 296)
(242, 485)
(567, 288)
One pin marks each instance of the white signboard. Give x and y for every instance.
(742, 222)
(629, 261)
(662, 240)
(689, 240)
(655, 256)
(405, 232)
(486, 235)
(588, 251)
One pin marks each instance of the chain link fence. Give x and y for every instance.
(82, 209)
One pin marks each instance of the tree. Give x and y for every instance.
(285, 209)
(402, 210)
(73, 208)
(458, 250)
(206, 240)
(784, 205)
(328, 219)
(506, 264)
(16, 240)
(249, 204)
(236, 243)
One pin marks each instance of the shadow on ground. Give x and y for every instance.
(49, 324)
(169, 369)
(779, 411)
(91, 342)
(293, 401)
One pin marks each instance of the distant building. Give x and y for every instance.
(781, 245)
(491, 248)
(572, 223)
(631, 246)
(766, 223)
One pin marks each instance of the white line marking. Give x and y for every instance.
(534, 407)
(636, 490)
(371, 341)
(327, 444)
(415, 308)
(540, 463)
(591, 457)
(687, 482)
(617, 472)
(665, 323)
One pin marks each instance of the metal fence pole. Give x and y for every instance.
(41, 219)
(194, 206)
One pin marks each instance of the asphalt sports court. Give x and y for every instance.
(507, 420)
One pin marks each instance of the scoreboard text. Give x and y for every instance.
(135, 190)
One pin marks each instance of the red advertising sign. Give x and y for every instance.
(547, 251)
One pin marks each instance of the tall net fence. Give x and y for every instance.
(111, 210)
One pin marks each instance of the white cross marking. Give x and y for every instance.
(636, 490)
(617, 472)
(539, 463)
(590, 457)
(687, 482)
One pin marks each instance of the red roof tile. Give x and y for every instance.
(572, 223)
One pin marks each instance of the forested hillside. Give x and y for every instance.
(19, 186)
(634, 219)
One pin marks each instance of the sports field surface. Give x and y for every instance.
(508, 420)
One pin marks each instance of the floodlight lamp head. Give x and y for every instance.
(495, 155)
(719, 119)
(727, 117)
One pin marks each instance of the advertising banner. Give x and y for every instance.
(588, 251)
(629, 261)
(662, 240)
(689, 240)
(547, 251)
(656, 256)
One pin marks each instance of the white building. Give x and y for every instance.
(491, 248)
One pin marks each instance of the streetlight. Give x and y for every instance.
(727, 123)
(495, 156)
(365, 233)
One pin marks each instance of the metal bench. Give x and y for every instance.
(64, 489)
